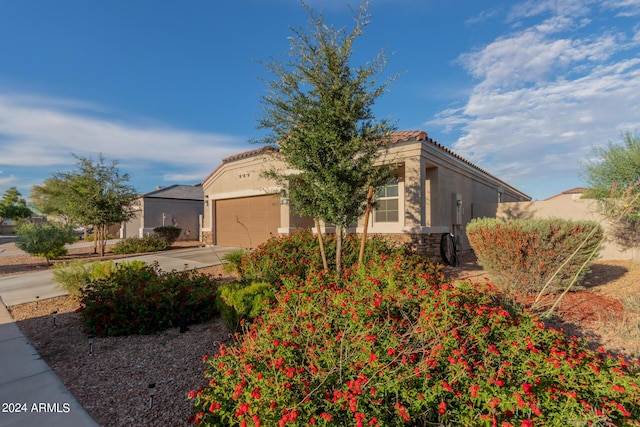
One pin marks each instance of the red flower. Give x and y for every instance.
(442, 408)
(474, 390)
(255, 393)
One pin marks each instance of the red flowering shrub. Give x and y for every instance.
(298, 253)
(134, 300)
(394, 344)
(522, 255)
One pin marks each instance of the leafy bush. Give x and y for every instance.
(168, 233)
(298, 253)
(46, 239)
(138, 245)
(394, 344)
(233, 260)
(238, 303)
(73, 277)
(523, 255)
(92, 237)
(146, 300)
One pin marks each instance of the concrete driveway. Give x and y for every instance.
(29, 287)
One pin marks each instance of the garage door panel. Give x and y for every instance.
(248, 221)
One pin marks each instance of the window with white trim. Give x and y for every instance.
(387, 198)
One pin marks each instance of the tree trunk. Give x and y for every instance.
(98, 238)
(103, 238)
(321, 244)
(366, 225)
(338, 248)
(96, 231)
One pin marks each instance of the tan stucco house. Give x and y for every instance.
(434, 194)
(178, 205)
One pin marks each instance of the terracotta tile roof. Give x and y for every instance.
(576, 190)
(407, 135)
(261, 150)
(419, 135)
(244, 154)
(394, 138)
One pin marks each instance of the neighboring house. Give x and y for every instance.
(623, 243)
(178, 205)
(434, 194)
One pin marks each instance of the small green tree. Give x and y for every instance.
(319, 113)
(13, 207)
(96, 193)
(614, 178)
(46, 239)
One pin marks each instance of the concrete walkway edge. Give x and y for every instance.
(25, 378)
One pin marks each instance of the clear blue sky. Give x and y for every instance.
(524, 89)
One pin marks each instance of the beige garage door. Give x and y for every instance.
(246, 222)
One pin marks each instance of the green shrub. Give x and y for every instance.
(168, 233)
(138, 245)
(394, 345)
(92, 237)
(523, 255)
(238, 303)
(46, 239)
(298, 253)
(233, 260)
(145, 300)
(73, 277)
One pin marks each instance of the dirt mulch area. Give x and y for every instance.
(112, 383)
(606, 310)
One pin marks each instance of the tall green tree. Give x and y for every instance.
(613, 178)
(95, 193)
(49, 199)
(318, 111)
(13, 207)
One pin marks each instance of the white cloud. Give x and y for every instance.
(43, 132)
(623, 8)
(546, 94)
(7, 181)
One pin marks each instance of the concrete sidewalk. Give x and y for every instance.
(31, 394)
